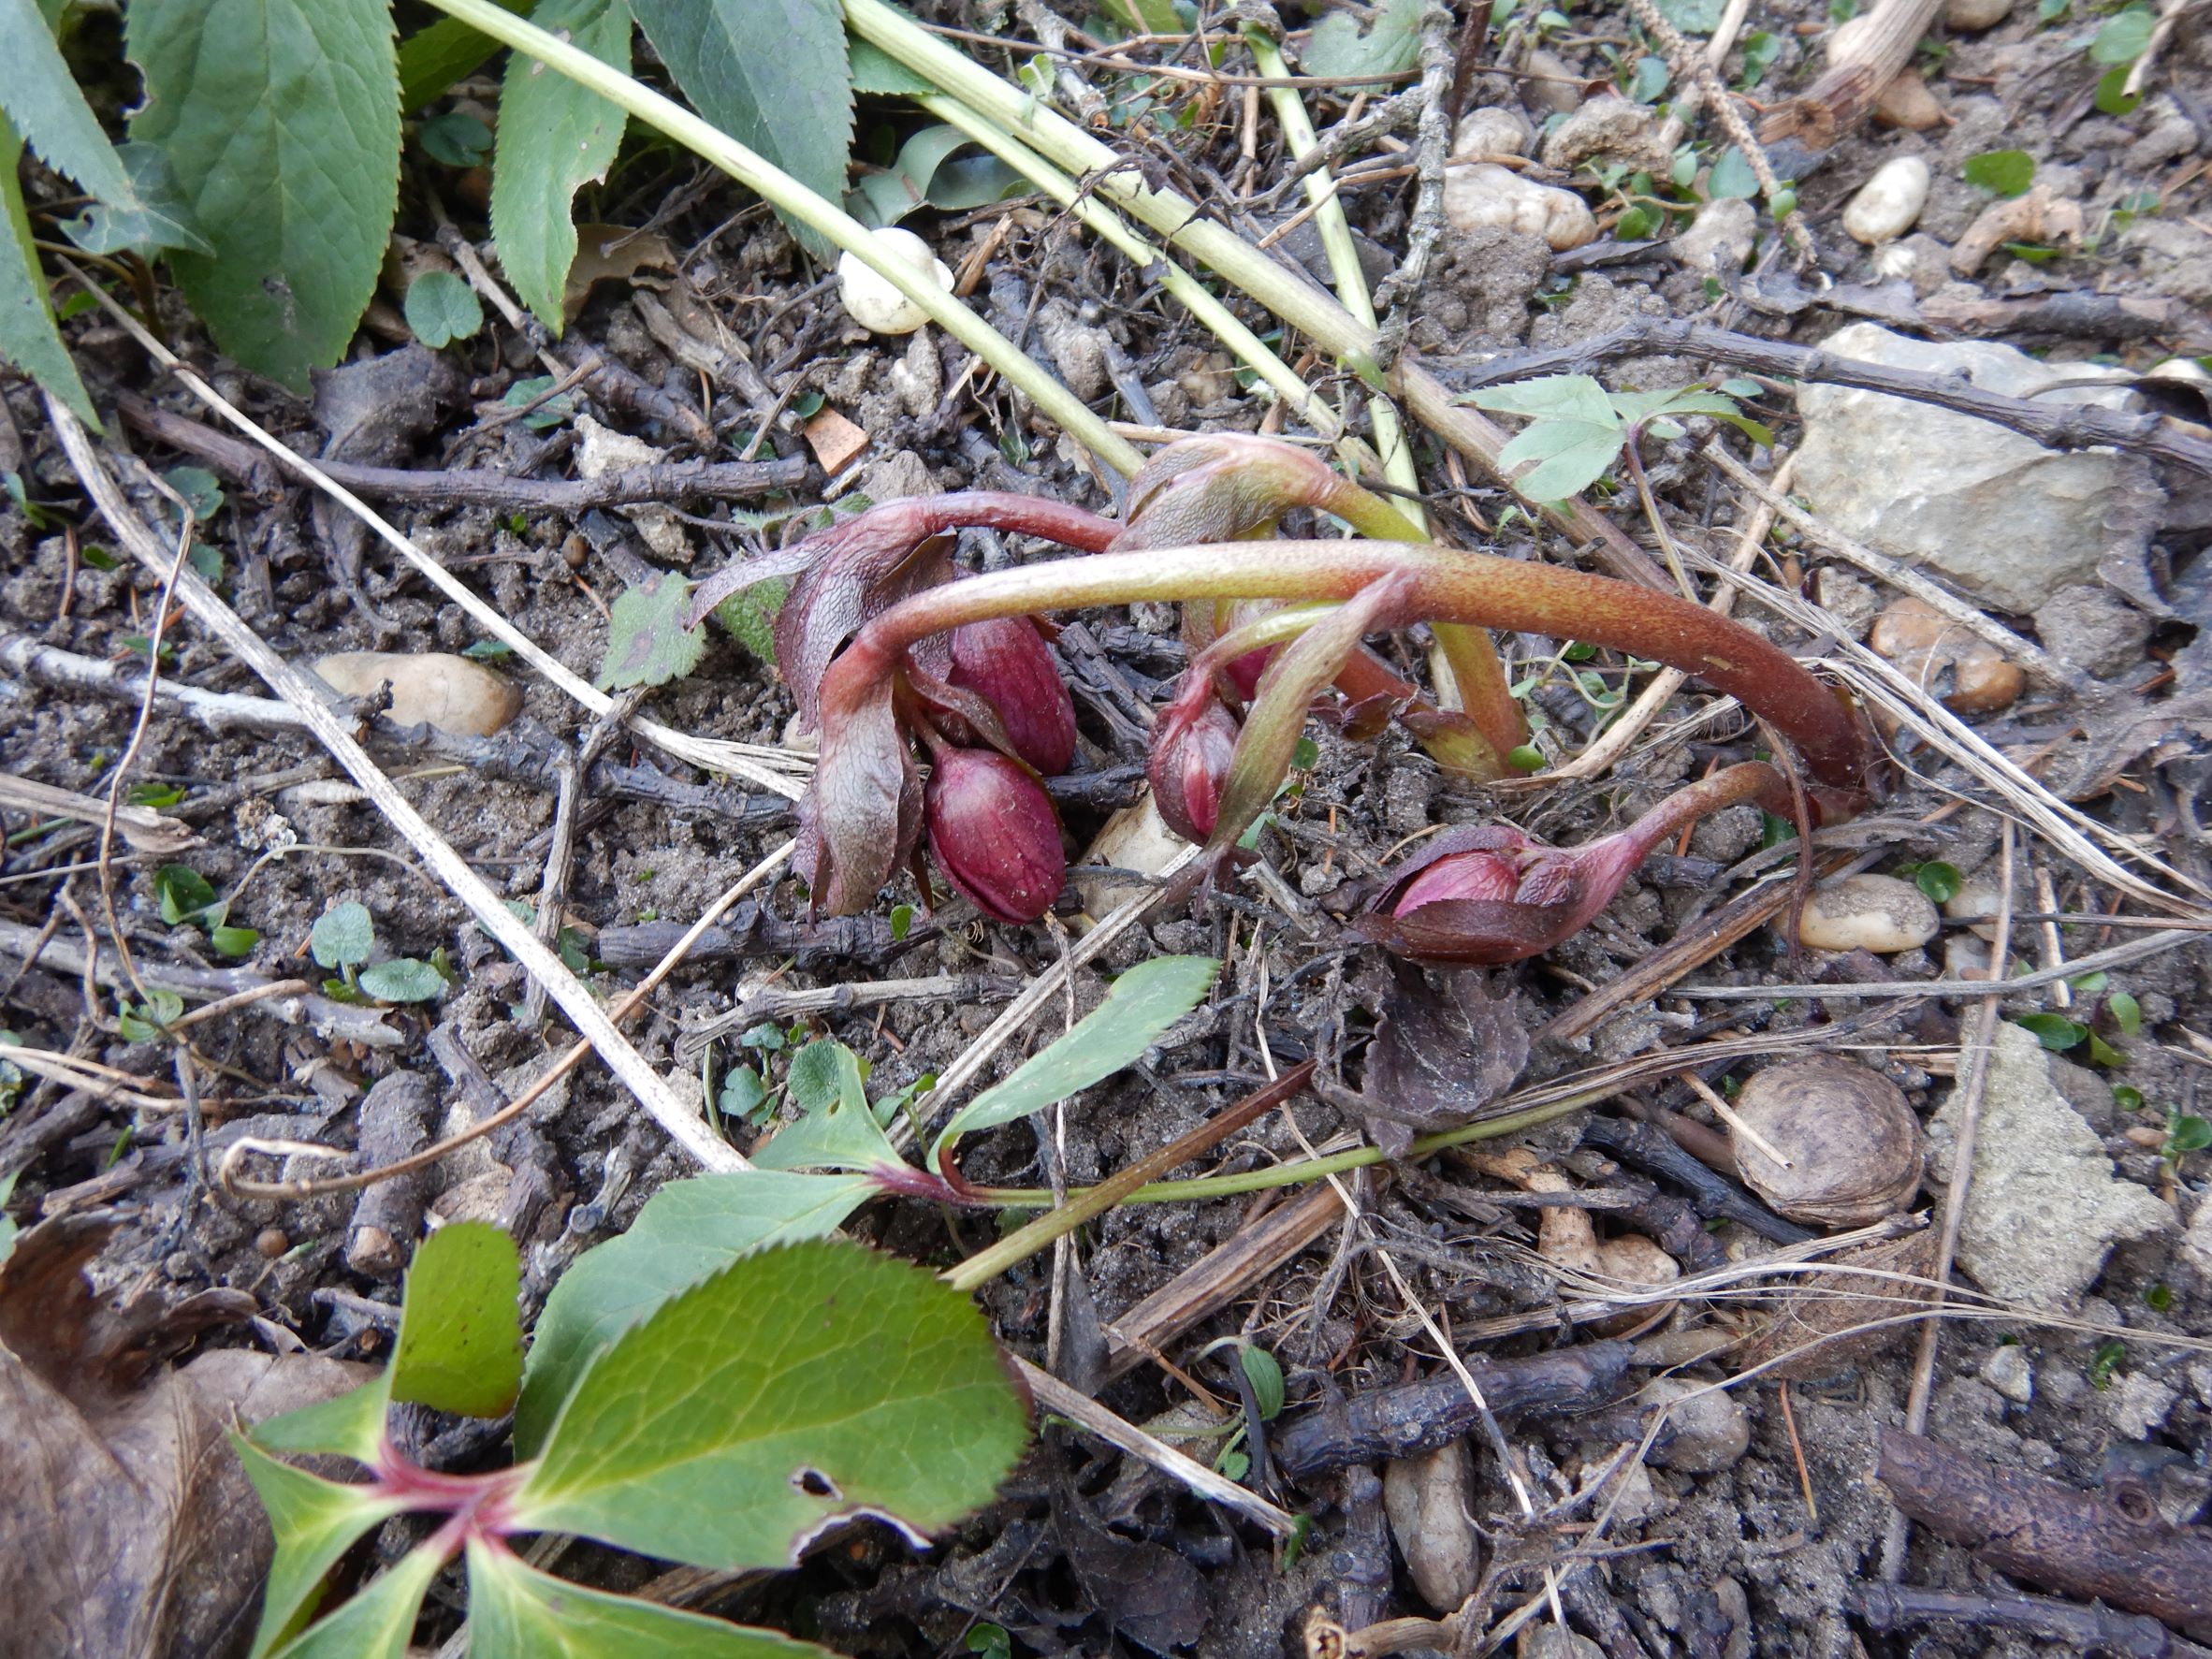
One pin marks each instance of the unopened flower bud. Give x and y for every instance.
(1005, 663)
(1190, 755)
(993, 833)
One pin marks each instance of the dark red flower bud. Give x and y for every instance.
(1190, 756)
(993, 832)
(1005, 663)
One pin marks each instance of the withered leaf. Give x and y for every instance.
(1147, 1592)
(1440, 1054)
(129, 1527)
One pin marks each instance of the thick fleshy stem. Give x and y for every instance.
(859, 784)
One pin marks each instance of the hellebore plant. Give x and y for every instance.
(881, 643)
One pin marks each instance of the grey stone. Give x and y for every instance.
(1720, 237)
(2006, 519)
(2045, 1207)
(1707, 1428)
(2139, 1404)
(2087, 628)
(2008, 1372)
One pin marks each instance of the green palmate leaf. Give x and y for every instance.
(555, 137)
(1550, 396)
(687, 1230)
(771, 74)
(441, 309)
(29, 338)
(1572, 455)
(460, 1333)
(376, 1624)
(647, 644)
(282, 120)
(796, 1386)
(433, 58)
(405, 979)
(838, 1133)
(1338, 46)
(1142, 1004)
(342, 936)
(315, 1521)
(517, 1613)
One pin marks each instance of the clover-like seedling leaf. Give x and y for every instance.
(460, 1331)
(796, 1388)
(647, 642)
(405, 979)
(687, 1230)
(1140, 1007)
(517, 1613)
(2124, 38)
(2001, 172)
(342, 936)
(442, 308)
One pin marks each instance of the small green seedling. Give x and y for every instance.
(686, 1439)
(1578, 428)
(343, 937)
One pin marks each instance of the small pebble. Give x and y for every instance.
(1967, 16)
(871, 300)
(437, 687)
(2008, 1372)
(1426, 1501)
(271, 1241)
(1878, 913)
(1889, 204)
(1708, 1433)
(1483, 194)
(1493, 130)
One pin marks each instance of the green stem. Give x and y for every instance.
(780, 190)
(1111, 229)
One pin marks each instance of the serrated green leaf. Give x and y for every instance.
(460, 1333)
(517, 1613)
(1338, 46)
(441, 309)
(749, 616)
(29, 337)
(1550, 396)
(376, 1624)
(2124, 36)
(434, 57)
(686, 1231)
(838, 1131)
(405, 979)
(877, 72)
(315, 1521)
(555, 136)
(1572, 455)
(42, 103)
(2001, 172)
(282, 120)
(1140, 1007)
(342, 936)
(346, 1425)
(647, 644)
(795, 1386)
(770, 73)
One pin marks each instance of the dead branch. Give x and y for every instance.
(1829, 109)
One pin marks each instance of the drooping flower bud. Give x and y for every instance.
(993, 832)
(1191, 749)
(1490, 894)
(1005, 662)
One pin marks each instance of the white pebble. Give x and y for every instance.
(1878, 913)
(450, 692)
(871, 300)
(1484, 193)
(1889, 204)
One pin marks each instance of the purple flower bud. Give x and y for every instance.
(993, 832)
(1190, 755)
(1004, 661)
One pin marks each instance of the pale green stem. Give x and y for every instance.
(780, 190)
(1110, 228)
(1344, 261)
